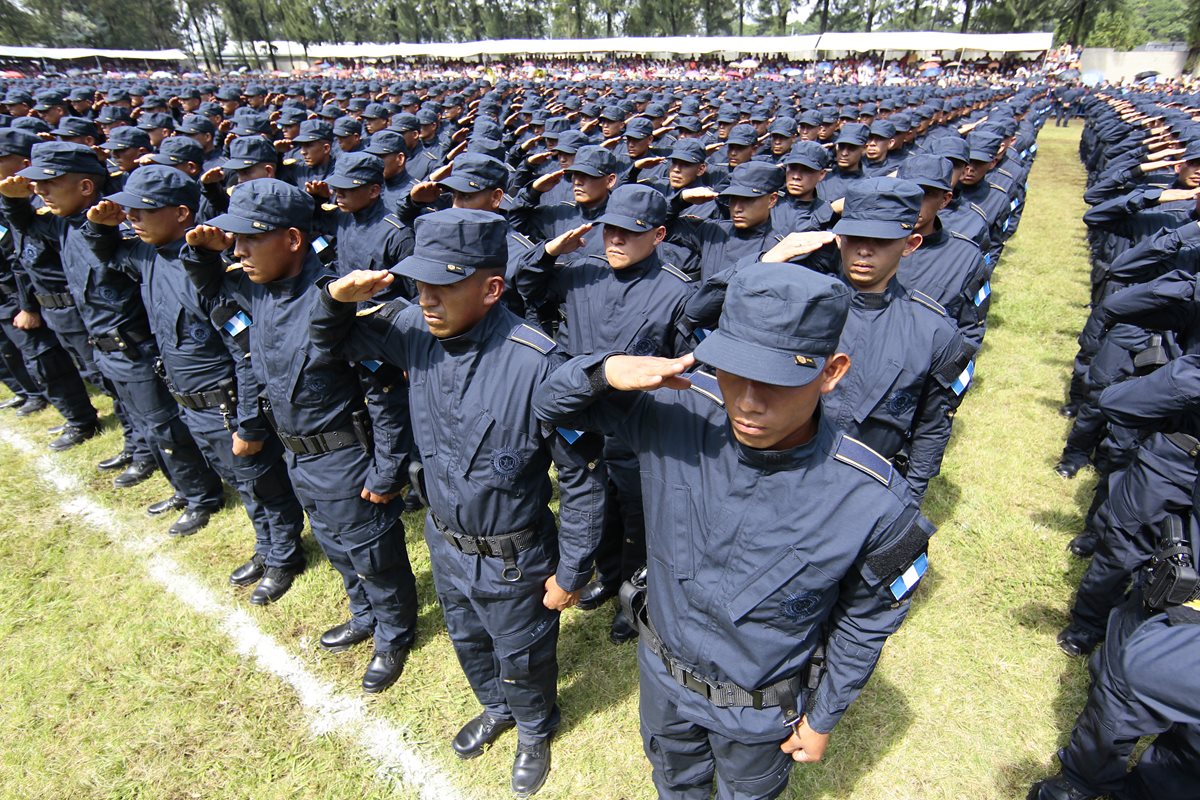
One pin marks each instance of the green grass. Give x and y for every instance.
(112, 689)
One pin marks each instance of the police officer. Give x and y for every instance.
(389, 146)
(502, 571)
(849, 147)
(744, 585)
(315, 404)
(368, 237)
(629, 300)
(593, 175)
(205, 372)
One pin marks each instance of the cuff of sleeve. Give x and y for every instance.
(571, 580)
(822, 721)
(252, 431)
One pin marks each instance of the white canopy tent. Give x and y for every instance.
(69, 53)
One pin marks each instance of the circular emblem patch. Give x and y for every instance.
(900, 403)
(200, 332)
(107, 293)
(798, 604)
(29, 254)
(317, 383)
(643, 347)
(506, 463)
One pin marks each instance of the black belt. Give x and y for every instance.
(119, 341)
(1186, 443)
(504, 545)
(56, 300)
(722, 694)
(319, 442)
(198, 401)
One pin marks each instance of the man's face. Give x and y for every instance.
(157, 135)
(975, 172)
(589, 190)
(126, 158)
(204, 140)
(849, 156)
(393, 164)
(747, 212)
(290, 131)
(723, 129)
(808, 133)
(878, 147)
(315, 154)
(19, 109)
(52, 115)
(801, 180)
(625, 248)
(456, 308)
(780, 144)
(270, 256)
(81, 107)
(428, 131)
(375, 125)
(1188, 174)
(935, 200)
(740, 154)
(768, 417)
(870, 264)
(564, 159)
(12, 164)
(159, 226)
(68, 194)
(683, 173)
(483, 200)
(638, 147)
(348, 143)
(611, 127)
(229, 106)
(354, 200)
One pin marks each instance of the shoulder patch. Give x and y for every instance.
(965, 238)
(927, 301)
(523, 240)
(706, 384)
(677, 272)
(366, 312)
(394, 221)
(532, 337)
(860, 456)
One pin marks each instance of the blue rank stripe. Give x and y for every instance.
(3, 232)
(964, 379)
(237, 323)
(701, 334)
(319, 244)
(372, 364)
(984, 293)
(570, 434)
(911, 577)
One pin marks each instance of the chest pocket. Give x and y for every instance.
(197, 333)
(644, 341)
(788, 595)
(673, 530)
(317, 384)
(497, 456)
(892, 398)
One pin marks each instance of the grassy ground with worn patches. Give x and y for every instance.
(111, 689)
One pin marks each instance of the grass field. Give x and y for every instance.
(113, 687)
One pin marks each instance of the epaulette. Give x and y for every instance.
(1004, 172)
(532, 337)
(677, 272)
(116, 174)
(964, 237)
(997, 187)
(706, 384)
(927, 301)
(42, 210)
(394, 221)
(978, 210)
(524, 240)
(329, 206)
(366, 312)
(570, 203)
(289, 162)
(856, 454)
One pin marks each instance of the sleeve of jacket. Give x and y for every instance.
(866, 614)
(1157, 253)
(934, 417)
(209, 275)
(703, 309)
(336, 328)
(537, 272)
(577, 396)
(1167, 303)
(1114, 216)
(1151, 400)
(22, 217)
(111, 248)
(526, 213)
(392, 430)
(1113, 183)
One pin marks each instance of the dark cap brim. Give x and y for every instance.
(733, 190)
(756, 362)
(871, 229)
(583, 169)
(438, 273)
(343, 182)
(458, 183)
(130, 200)
(231, 223)
(40, 173)
(626, 223)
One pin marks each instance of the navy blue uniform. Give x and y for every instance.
(486, 460)
(743, 583)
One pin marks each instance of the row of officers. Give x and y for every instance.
(1133, 402)
(692, 359)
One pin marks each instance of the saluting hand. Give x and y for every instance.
(557, 598)
(16, 187)
(548, 181)
(698, 194)
(441, 172)
(214, 175)
(425, 192)
(106, 213)
(646, 373)
(206, 237)
(798, 244)
(568, 242)
(649, 161)
(318, 189)
(360, 285)
(805, 745)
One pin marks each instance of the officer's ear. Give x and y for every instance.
(374, 191)
(911, 243)
(269, 169)
(703, 168)
(295, 240)
(660, 234)
(610, 181)
(836, 367)
(772, 199)
(183, 215)
(496, 198)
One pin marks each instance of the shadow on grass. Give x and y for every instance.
(1016, 778)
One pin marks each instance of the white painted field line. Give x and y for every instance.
(327, 709)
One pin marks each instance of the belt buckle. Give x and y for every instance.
(483, 547)
(697, 684)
